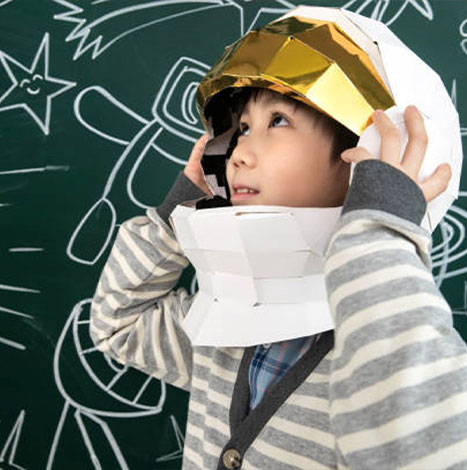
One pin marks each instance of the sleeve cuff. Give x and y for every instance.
(379, 186)
(182, 190)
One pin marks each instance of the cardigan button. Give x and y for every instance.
(232, 459)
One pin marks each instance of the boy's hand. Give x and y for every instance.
(193, 170)
(413, 155)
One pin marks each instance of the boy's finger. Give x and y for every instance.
(198, 148)
(437, 182)
(356, 154)
(390, 138)
(417, 144)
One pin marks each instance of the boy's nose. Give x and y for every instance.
(243, 155)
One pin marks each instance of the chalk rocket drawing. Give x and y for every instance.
(8, 452)
(32, 89)
(98, 25)
(463, 32)
(388, 11)
(170, 114)
(106, 395)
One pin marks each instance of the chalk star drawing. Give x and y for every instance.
(32, 88)
(8, 453)
(98, 25)
(388, 10)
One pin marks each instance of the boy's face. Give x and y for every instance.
(282, 159)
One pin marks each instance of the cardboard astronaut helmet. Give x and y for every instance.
(344, 65)
(260, 269)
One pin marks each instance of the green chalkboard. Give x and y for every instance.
(97, 116)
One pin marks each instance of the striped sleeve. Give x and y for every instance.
(135, 314)
(398, 385)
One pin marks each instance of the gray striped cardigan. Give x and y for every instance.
(387, 390)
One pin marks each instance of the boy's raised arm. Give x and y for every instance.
(398, 391)
(136, 315)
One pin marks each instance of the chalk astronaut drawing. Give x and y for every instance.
(33, 89)
(8, 451)
(111, 391)
(179, 118)
(98, 24)
(388, 11)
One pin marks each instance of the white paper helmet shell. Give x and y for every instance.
(411, 81)
(259, 271)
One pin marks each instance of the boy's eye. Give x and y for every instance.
(278, 120)
(243, 129)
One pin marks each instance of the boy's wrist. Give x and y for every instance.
(379, 186)
(182, 190)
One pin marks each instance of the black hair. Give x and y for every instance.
(342, 138)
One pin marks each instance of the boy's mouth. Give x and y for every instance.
(242, 192)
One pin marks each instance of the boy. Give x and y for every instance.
(386, 390)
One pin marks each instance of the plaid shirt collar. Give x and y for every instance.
(271, 362)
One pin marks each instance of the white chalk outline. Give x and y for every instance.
(24, 249)
(76, 14)
(380, 7)
(463, 33)
(83, 29)
(146, 138)
(43, 50)
(454, 100)
(8, 452)
(35, 170)
(75, 326)
(5, 341)
(177, 454)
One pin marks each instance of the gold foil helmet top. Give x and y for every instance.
(314, 61)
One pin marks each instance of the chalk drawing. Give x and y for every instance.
(25, 249)
(179, 437)
(453, 245)
(252, 11)
(463, 33)
(454, 100)
(98, 25)
(32, 89)
(184, 75)
(5, 2)
(388, 11)
(463, 309)
(102, 379)
(35, 170)
(8, 452)
(7, 341)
